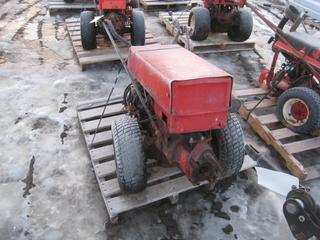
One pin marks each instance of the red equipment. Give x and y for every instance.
(221, 16)
(297, 81)
(189, 100)
(123, 16)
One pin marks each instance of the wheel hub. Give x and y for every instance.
(295, 112)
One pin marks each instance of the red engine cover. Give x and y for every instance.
(190, 94)
(112, 4)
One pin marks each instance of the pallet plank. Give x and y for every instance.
(151, 194)
(303, 145)
(248, 92)
(102, 153)
(268, 118)
(265, 103)
(105, 124)
(95, 113)
(111, 187)
(106, 169)
(283, 133)
(100, 138)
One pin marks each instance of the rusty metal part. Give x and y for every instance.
(118, 21)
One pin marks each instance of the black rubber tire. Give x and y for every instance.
(311, 98)
(201, 18)
(228, 145)
(129, 155)
(138, 29)
(241, 26)
(87, 30)
(134, 3)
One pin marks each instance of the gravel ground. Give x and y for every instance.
(47, 187)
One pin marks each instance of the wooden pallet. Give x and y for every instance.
(287, 143)
(162, 182)
(61, 5)
(104, 51)
(214, 43)
(153, 5)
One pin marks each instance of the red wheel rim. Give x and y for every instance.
(295, 112)
(299, 111)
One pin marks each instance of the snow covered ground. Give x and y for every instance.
(47, 187)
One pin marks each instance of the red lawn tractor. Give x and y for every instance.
(221, 16)
(124, 17)
(297, 82)
(184, 118)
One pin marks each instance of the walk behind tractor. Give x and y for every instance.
(123, 15)
(179, 111)
(297, 81)
(221, 16)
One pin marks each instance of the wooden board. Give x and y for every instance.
(104, 51)
(162, 183)
(153, 5)
(287, 143)
(216, 42)
(77, 5)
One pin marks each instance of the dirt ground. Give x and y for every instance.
(47, 186)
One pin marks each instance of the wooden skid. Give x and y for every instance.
(216, 42)
(162, 182)
(286, 142)
(167, 4)
(104, 51)
(60, 5)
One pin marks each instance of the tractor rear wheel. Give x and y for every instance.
(241, 25)
(299, 110)
(199, 23)
(129, 155)
(87, 30)
(138, 31)
(228, 145)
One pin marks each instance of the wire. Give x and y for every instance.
(107, 102)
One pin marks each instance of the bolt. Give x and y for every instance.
(301, 219)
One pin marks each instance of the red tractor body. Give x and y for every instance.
(171, 84)
(189, 121)
(112, 5)
(239, 3)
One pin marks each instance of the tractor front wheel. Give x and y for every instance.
(87, 30)
(129, 155)
(299, 109)
(199, 23)
(138, 29)
(241, 25)
(228, 145)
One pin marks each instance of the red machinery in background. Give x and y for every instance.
(297, 82)
(184, 118)
(124, 17)
(221, 16)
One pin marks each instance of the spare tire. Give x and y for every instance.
(138, 29)
(228, 145)
(199, 23)
(241, 25)
(87, 30)
(129, 155)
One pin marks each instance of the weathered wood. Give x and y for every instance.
(111, 187)
(264, 104)
(151, 194)
(106, 169)
(268, 118)
(105, 124)
(102, 153)
(282, 133)
(303, 145)
(95, 113)
(100, 138)
(248, 92)
(55, 5)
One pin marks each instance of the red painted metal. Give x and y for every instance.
(299, 111)
(190, 94)
(112, 4)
